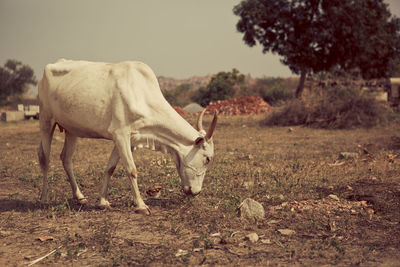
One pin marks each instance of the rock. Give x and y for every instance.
(332, 226)
(216, 235)
(348, 155)
(334, 197)
(286, 231)
(181, 252)
(248, 184)
(251, 209)
(249, 157)
(253, 237)
(193, 108)
(266, 241)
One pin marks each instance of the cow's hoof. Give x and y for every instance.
(143, 211)
(105, 205)
(83, 201)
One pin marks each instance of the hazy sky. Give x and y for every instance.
(177, 38)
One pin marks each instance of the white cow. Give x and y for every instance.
(120, 102)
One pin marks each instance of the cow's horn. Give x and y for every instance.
(212, 126)
(200, 121)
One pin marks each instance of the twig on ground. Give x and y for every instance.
(45, 256)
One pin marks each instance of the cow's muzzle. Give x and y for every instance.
(190, 192)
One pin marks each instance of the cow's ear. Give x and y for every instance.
(199, 141)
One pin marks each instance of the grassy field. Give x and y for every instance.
(291, 172)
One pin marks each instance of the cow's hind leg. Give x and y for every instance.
(46, 134)
(112, 163)
(122, 141)
(66, 158)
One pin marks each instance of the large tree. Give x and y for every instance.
(318, 35)
(14, 79)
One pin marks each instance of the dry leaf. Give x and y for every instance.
(45, 238)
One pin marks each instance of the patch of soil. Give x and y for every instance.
(359, 225)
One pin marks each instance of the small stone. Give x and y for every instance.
(249, 157)
(370, 211)
(334, 197)
(332, 226)
(216, 235)
(286, 231)
(248, 184)
(251, 209)
(253, 237)
(349, 188)
(266, 241)
(181, 252)
(348, 155)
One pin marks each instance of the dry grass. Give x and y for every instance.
(332, 109)
(272, 165)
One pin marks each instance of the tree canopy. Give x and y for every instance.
(318, 35)
(14, 78)
(223, 85)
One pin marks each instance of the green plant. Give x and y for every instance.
(223, 85)
(273, 90)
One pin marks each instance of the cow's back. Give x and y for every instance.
(85, 97)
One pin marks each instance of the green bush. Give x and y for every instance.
(333, 109)
(180, 95)
(273, 90)
(223, 85)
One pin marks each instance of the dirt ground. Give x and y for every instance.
(321, 209)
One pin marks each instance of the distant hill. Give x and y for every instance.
(196, 82)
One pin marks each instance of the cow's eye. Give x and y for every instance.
(207, 160)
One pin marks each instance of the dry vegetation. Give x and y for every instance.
(337, 108)
(291, 173)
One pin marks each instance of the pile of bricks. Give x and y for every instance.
(245, 105)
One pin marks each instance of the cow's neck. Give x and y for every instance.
(166, 134)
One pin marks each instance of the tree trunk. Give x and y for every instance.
(300, 87)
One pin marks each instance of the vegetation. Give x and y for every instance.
(273, 90)
(180, 96)
(223, 85)
(14, 79)
(302, 32)
(333, 108)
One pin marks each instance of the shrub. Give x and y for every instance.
(180, 96)
(273, 90)
(333, 109)
(223, 85)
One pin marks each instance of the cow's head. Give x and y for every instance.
(192, 166)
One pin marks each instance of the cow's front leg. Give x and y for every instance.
(140, 206)
(123, 143)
